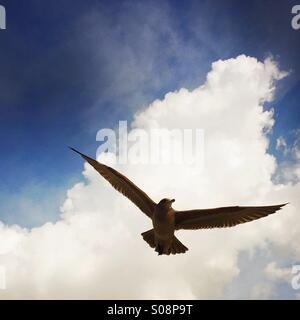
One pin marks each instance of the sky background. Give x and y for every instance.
(70, 68)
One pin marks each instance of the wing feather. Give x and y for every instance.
(221, 217)
(123, 185)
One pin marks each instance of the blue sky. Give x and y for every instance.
(70, 68)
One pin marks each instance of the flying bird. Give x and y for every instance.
(166, 220)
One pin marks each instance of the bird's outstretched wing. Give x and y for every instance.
(123, 185)
(221, 217)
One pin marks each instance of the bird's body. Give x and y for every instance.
(166, 220)
(163, 221)
(162, 236)
(164, 226)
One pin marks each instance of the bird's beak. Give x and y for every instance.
(173, 200)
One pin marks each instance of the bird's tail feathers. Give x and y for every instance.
(176, 247)
(148, 236)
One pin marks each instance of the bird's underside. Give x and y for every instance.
(166, 220)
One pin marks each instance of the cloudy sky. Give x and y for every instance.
(230, 68)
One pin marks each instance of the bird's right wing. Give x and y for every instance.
(123, 185)
(221, 217)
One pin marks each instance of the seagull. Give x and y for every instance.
(166, 220)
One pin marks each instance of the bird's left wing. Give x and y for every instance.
(123, 185)
(221, 217)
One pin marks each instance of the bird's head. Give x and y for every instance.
(167, 203)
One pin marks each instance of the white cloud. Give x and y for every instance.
(289, 169)
(272, 276)
(276, 273)
(281, 145)
(262, 291)
(96, 251)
